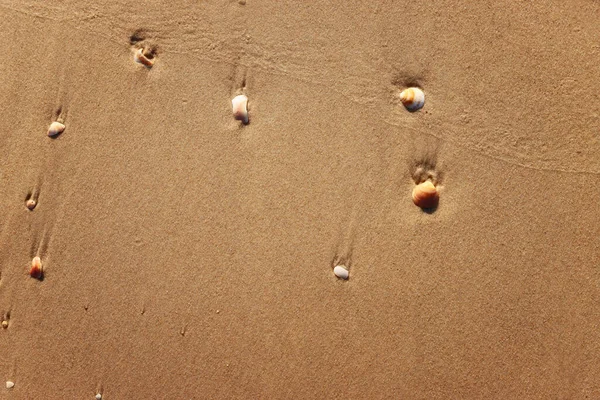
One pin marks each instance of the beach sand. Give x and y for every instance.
(187, 255)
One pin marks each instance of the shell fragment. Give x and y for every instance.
(144, 57)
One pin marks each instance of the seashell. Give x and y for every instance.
(412, 98)
(31, 203)
(144, 57)
(341, 272)
(36, 270)
(425, 195)
(10, 384)
(98, 396)
(240, 108)
(55, 128)
(5, 324)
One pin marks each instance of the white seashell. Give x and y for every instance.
(55, 128)
(341, 272)
(145, 59)
(412, 98)
(10, 384)
(98, 396)
(240, 108)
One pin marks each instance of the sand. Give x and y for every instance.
(187, 255)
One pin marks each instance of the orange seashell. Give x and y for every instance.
(425, 195)
(31, 203)
(412, 98)
(144, 57)
(36, 270)
(56, 128)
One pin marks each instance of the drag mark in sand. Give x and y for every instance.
(6, 320)
(340, 266)
(239, 91)
(57, 126)
(183, 330)
(31, 200)
(341, 263)
(39, 249)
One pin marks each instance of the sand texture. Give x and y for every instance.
(188, 255)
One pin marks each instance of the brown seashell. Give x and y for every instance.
(30, 204)
(144, 57)
(425, 195)
(412, 98)
(36, 270)
(55, 128)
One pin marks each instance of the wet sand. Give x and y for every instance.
(188, 255)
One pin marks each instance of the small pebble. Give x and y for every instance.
(5, 324)
(10, 384)
(31, 203)
(240, 108)
(98, 396)
(55, 128)
(341, 272)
